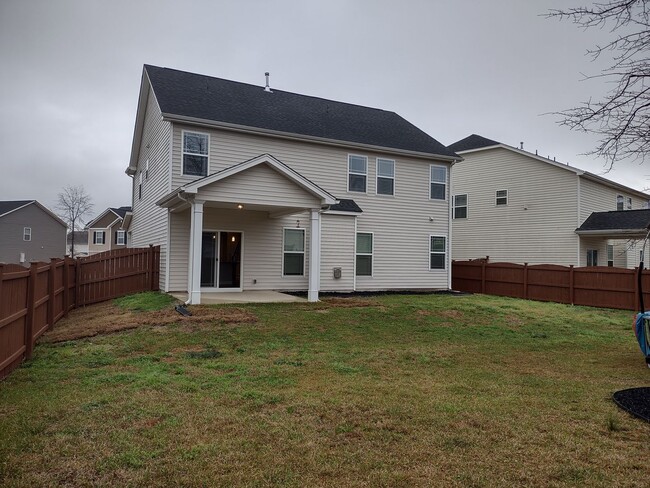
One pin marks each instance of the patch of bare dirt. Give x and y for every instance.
(106, 318)
(452, 314)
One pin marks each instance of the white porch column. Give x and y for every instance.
(196, 239)
(314, 256)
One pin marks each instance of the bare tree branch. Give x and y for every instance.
(72, 205)
(622, 117)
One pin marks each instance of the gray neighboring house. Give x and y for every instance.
(107, 231)
(29, 231)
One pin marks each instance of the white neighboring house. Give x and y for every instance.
(515, 206)
(108, 230)
(252, 188)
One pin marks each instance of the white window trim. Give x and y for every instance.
(438, 182)
(454, 206)
(95, 232)
(507, 197)
(622, 202)
(355, 173)
(371, 254)
(27, 232)
(438, 252)
(377, 176)
(592, 251)
(628, 203)
(121, 233)
(610, 247)
(207, 168)
(303, 252)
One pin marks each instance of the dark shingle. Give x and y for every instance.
(472, 142)
(8, 206)
(204, 97)
(121, 211)
(346, 205)
(615, 220)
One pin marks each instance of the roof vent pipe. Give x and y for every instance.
(267, 88)
(522, 145)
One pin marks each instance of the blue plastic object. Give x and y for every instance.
(642, 331)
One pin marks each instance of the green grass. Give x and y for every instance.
(148, 301)
(412, 391)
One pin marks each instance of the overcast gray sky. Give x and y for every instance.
(70, 74)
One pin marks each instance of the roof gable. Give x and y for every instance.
(9, 206)
(205, 98)
(117, 213)
(472, 142)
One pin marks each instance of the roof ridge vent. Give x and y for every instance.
(267, 88)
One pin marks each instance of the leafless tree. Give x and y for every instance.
(622, 117)
(72, 205)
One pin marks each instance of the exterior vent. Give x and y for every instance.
(337, 273)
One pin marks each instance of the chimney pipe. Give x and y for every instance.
(522, 145)
(267, 88)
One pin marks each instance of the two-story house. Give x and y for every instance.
(250, 188)
(516, 206)
(108, 231)
(29, 231)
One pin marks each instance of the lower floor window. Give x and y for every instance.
(293, 263)
(364, 254)
(437, 252)
(592, 257)
(610, 255)
(98, 237)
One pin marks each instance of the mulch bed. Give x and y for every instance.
(635, 401)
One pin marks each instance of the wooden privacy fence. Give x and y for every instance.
(32, 300)
(594, 286)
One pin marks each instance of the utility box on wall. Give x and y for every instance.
(337, 273)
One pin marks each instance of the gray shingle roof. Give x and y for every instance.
(121, 211)
(472, 142)
(204, 97)
(617, 220)
(346, 205)
(8, 206)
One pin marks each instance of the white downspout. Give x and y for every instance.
(579, 222)
(449, 232)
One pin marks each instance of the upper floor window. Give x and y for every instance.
(195, 153)
(146, 170)
(140, 187)
(385, 177)
(460, 206)
(98, 237)
(628, 203)
(120, 237)
(364, 254)
(620, 202)
(437, 252)
(357, 173)
(293, 252)
(27, 233)
(502, 197)
(438, 182)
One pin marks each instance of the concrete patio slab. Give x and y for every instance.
(251, 296)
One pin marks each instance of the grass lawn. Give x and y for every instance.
(397, 391)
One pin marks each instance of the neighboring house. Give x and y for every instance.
(80, 244)
(108, 231)
(515, 206)
(248, 188)
(30, 232)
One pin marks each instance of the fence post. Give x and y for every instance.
(151, 261)
(50, 293)
(636, 288)
(483, 277)
(31, 305)
(525, 281)
(77, 283)
(571, 285)
(2, 265)
(66, 285)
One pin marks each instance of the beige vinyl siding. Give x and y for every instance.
(103, 225)
(538, 223)
(261, 249)
(401, 223)
(260, 185)
(149, 223)
(596, 197)
(597, 243)
(337, 251)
